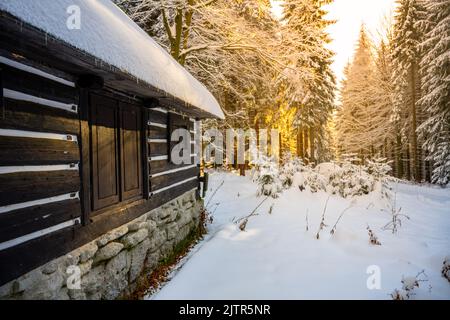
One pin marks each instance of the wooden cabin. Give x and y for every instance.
(86, 118)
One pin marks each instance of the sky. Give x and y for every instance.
(350, 14)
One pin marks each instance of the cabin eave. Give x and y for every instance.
(22, 38)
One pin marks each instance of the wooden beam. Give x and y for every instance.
(85, 166)
(18, 151)
(28, 186)
(171, 178)
(91, 82)
(32, 84)
(19, 222)
(145, 153)
(151, 103)
(23, 115)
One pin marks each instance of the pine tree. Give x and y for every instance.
(313, 94)
(383, 129)
(227, 45)
(355, 118)
(435, 65)
(407, 78)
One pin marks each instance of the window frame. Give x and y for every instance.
(123, 200)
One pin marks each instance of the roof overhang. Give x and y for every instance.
(23, 39)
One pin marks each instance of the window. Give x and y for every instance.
(116, 152)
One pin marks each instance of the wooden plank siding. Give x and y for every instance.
(39, 161)
(23, 258)
(23, 115)
(16, 223)
(31, 84)
(162, 148)
(168, 179)
(28, 182)
(29, 186)
(160, 127)
(158, 117)
(157, 132)
(19, 151)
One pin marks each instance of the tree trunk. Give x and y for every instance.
(280, 150)
(300, 150)
(408, 163)
(399, 158)
(188, 22)
(305, 146)
(176, 45)
(242, 170)
(393, 159)
(311, 145)
(414, 149)
(428, 168)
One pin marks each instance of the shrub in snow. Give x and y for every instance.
(294, 172)
(290, 166)
(315, 181)
(267, 174)
(446, 269)
(400, 295)
(269, 184)
(350, 180)
(342, 178)
(309, 179)
(379, 168)
(408, 286)
(409, 283)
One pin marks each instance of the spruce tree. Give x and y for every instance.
(355, 117)
(435, 66)
(305, 23)
(407, 79)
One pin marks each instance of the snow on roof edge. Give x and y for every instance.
(110, 35)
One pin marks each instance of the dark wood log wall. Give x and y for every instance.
(39, 160)
(40, 154)
(163, 173)
(40, 199)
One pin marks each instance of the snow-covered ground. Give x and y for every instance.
(276, 258)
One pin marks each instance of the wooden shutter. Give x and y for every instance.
(104, 146)
(131, 151)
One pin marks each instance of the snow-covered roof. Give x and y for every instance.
(110, 35)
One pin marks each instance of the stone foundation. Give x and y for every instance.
(111, 265)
